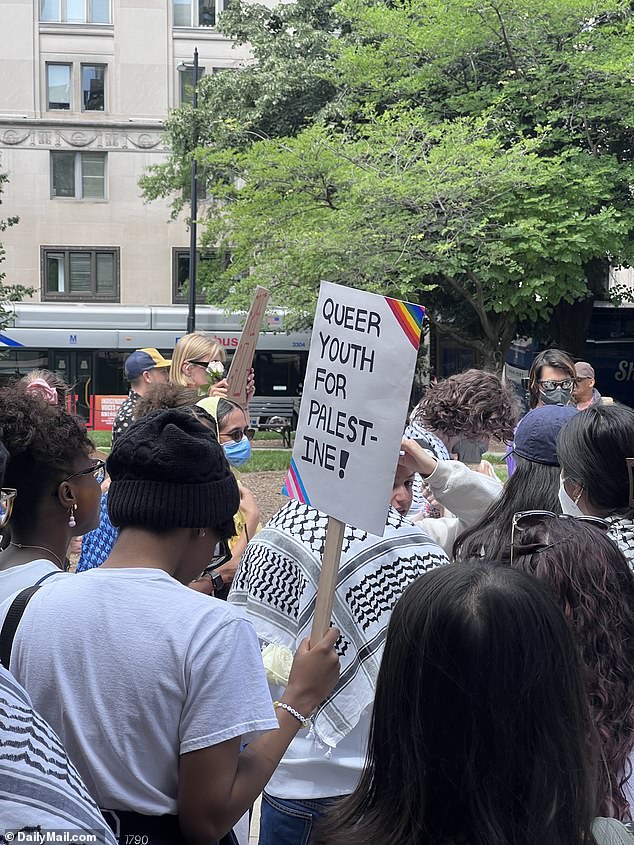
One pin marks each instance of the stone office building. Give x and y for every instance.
(85, 88)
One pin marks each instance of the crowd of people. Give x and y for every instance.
(476, 685)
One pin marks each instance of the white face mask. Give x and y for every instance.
(569, 506)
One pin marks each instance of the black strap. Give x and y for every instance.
(11, 622)
(48, 575)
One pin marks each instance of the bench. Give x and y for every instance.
(274, 414)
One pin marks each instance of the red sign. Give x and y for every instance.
(105, 410)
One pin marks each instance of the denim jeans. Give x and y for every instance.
(286, 821)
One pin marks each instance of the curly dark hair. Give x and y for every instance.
(594, 586)
(161, 397)
(43, 441)
(473, 403)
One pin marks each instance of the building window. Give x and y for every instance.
(58, 86)
(186, 82)
(93, 80)
(75, 11)
(61, 92)
(197, 12)
(78, 175)
(80, 273)
(180, 273)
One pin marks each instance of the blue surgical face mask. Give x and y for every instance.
(238, 453)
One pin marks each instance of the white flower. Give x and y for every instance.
(215, 371)
(277, 663)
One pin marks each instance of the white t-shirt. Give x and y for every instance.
(23, 575)
(310, 769)
(39, 786)
(133, 669)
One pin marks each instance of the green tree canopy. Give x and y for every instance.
(473, 156)
(8, 293)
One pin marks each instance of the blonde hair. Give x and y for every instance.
(193, 347)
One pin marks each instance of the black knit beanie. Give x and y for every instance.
(169, 471)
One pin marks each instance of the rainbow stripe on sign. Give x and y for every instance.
(294, 486)
(410, 318)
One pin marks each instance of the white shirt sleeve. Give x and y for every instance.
(466, 493)
(227, 692)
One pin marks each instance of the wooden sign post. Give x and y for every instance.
(243, 359)
(327, 578)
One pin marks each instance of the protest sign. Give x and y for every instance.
(242, 361)
(354, 405)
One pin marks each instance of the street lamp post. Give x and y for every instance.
(191, 314)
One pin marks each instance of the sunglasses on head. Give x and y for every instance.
(7, 498)
(529, 519)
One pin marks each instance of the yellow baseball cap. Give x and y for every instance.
(143, 360)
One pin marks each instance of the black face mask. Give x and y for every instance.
(559, 396)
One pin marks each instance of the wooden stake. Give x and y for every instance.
(327, 579)
(242, 360)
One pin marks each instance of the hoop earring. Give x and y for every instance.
(71, 521)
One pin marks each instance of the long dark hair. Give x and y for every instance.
(592, 448)
(480, 722)
(547, 358)
(531, 487)
(593, 584)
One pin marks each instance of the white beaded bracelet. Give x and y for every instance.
(304, 721)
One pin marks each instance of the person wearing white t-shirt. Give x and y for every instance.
(154, 711)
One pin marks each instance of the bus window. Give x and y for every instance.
(15, 363)
(109, 377)
(279, 373)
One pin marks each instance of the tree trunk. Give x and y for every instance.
(570, 322)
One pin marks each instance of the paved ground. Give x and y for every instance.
(266, 487)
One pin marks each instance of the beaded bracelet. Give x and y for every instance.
(304, 721)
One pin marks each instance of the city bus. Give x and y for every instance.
(86, 345)
(609, 348)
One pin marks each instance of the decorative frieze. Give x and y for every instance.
(14, 135)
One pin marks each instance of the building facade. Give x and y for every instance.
(86, 88)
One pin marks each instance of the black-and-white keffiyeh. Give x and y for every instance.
(276, 584)
(621, 530)
(416, 431)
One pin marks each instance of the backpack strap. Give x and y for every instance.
(11, 622)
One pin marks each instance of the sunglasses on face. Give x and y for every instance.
(565, 384)
(530, 519)
(236, 434)
(220, 556)
(98, 469)
(204, 364)
(7, 498)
